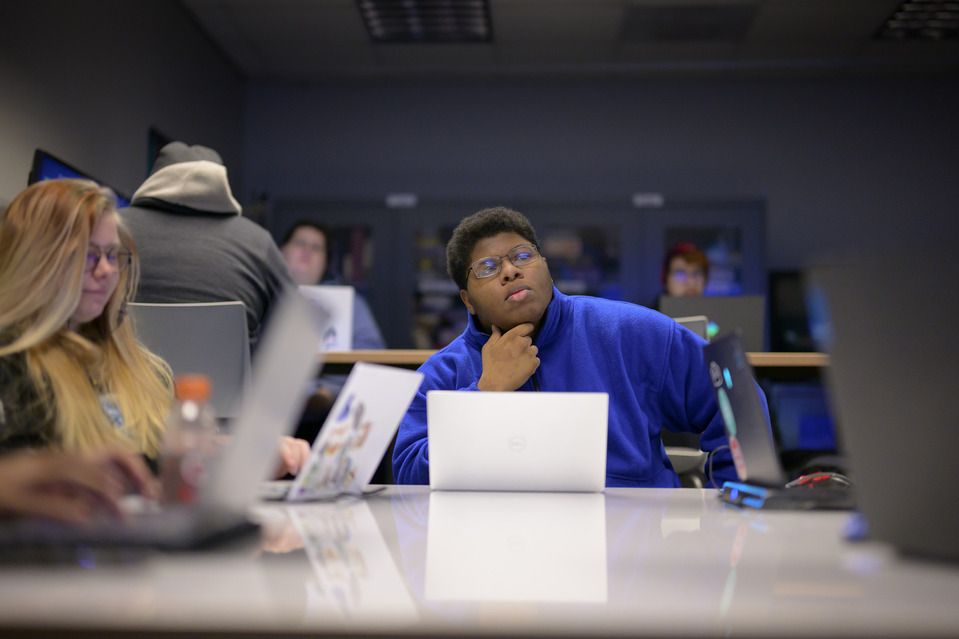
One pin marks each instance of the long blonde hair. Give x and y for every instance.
(44, 238)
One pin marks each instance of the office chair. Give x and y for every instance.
(687, 459)
(208, 338)
(683, 448)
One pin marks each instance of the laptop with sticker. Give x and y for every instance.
(763, 483)
(355, 436)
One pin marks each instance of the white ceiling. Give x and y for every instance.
(318, 40)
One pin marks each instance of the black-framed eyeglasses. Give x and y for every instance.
(117, 257)
(520, 256)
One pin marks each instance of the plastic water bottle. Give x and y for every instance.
(189, 443)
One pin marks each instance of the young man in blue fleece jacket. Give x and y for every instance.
(523, 334)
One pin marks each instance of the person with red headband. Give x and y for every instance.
(685, 271)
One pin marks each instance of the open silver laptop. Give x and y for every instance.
(281, 374)
(517, 441)
(336, 303)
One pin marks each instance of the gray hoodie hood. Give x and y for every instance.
(189, 176)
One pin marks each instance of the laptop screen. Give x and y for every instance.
(746, 313)
(336, 302)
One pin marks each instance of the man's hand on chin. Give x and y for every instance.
(509, 359)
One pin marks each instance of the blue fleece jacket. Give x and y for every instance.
(651, 367)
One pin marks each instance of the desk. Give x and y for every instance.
(775, 366)
(407, 562)
(413, 358)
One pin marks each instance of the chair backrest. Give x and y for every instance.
(209, 338)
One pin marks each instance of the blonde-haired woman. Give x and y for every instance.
(72, 374)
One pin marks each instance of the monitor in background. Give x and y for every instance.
(47, 166)
(789, 329)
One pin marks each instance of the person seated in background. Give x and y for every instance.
(195, 244)
(523, 334)
(685, 271)
(72, 374)
(70, 487)
(305, 249)
(684, 274)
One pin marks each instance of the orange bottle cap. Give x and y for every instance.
(193, 387)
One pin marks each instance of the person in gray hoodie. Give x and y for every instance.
(194, 244)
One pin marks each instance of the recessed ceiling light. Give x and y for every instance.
(922, 20)
(427, 20)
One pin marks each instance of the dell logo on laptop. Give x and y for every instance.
(516, 443)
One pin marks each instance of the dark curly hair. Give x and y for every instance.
(479, 226)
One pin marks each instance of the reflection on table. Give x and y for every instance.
(512, 556)
(408, 562)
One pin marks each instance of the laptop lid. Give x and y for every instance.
(726, 313)
(517, 441)
(698, 324)
(357, 431)
(201, 337)
(282, 371)
(889, 327)
(750, 437)
(337, 302)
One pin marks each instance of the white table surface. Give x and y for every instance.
(627, 562)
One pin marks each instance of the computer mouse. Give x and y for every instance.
(821, 480)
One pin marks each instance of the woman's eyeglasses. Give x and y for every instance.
(117, 257)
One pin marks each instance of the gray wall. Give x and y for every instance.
(85, 81)
(839, 161)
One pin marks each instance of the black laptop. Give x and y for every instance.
(763, 484)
